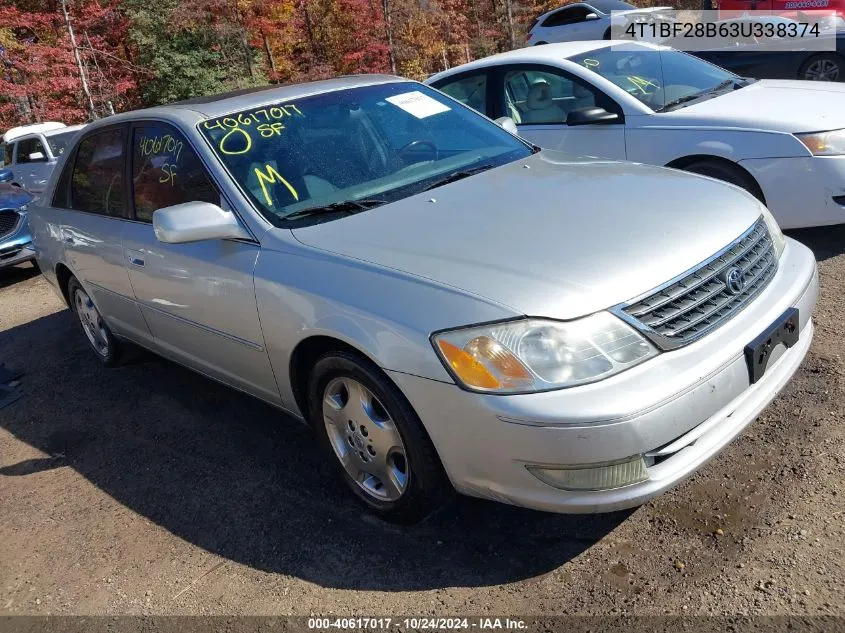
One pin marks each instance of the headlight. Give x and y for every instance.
(824, 143)
(538, 354)
(778, 240)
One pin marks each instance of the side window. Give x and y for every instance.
(536, 96)
(557, 18)
(31, 150)
(470, 90)
(6, 154)
(166, 171)
(96, 184)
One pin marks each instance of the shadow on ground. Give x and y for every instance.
(824, 241)
(234, 476)
(17, 274)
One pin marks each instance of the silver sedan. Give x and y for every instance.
(448, 306)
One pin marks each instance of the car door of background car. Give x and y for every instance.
(540, 97)
(89, 214)
(571, 24)
(197, 298)
(33, 164)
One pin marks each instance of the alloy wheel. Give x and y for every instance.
(92, 322)
(822, 70)
(365, 439)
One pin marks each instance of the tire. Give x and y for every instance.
(411, 483)
(97, 333)
(727, 173)
(540, 43)
(823, 67)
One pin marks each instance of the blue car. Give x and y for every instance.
(15, 238)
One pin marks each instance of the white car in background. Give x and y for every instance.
(782, 141)
(587, 21)
(32, 151)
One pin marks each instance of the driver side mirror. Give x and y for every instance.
(195, 222)
(591, 16)
(589, 116)
(507, 123)
(36, 156)
(6, 175)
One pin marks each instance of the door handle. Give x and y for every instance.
(136, 261)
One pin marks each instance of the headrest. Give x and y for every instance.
(539, 96)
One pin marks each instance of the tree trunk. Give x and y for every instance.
(82, 78)
(385, 7)
(511, 34)
(270, 59)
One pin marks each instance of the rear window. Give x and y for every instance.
(96, 184)
(606, 6)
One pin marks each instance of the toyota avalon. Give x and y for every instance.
(448, 306)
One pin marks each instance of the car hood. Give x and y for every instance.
(547, 237)
(12, 197)
(783, 106)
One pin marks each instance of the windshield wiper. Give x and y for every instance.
(704, 93)
(344, 206)
(460, 174)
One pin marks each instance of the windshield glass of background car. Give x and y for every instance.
(59, 142)
(386, 141)
(655, 77)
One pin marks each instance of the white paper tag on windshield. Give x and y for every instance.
(418, 104)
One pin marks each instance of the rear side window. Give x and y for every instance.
(471, 90)
(31, 150)
(6, 154)
(96, 184)
(166, 171)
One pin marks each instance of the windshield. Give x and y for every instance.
(59, 142)
(657, 77)
(382, 142)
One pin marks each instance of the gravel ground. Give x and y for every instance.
(148, 489)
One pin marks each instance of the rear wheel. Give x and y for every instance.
(726, 172)
(540, 43)
(824, 67)
(96, 331)
(375, 439)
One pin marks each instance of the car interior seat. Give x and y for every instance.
(540, 108)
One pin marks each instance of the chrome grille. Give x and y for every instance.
(701, 301)
(8, 221)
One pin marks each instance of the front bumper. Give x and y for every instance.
(800, 191)
(683, 406)
(17, 248)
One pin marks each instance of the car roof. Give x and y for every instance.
(194, 110)
(64, 130)
(547, 53)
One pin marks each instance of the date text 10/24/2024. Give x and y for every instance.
(416, 623)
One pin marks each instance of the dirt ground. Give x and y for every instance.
(148, 489)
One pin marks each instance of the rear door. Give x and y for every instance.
(540, 97)
(89, 216)
(33, 164)
(197, 298)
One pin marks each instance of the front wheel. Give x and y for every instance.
(824, 67)
(375, 439)
(726, 172)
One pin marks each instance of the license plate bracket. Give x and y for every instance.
(784, 330)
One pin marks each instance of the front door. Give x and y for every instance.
(539, 99)
(33, 164)
(197, 298)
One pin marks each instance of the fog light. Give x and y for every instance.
(599, 477)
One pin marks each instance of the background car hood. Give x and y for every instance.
(12, 197)
(784, 106)
(546, 237)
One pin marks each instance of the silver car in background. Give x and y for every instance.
(449, 307)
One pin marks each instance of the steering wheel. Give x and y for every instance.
(416, 143)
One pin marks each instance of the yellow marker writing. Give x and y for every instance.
(272, 177)
(227, 150)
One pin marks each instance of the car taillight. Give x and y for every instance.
(528, 37)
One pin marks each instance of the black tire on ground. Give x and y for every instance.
(428, 488)
(725, 171)
(540, 43)
(823, 67)
(110, 355)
